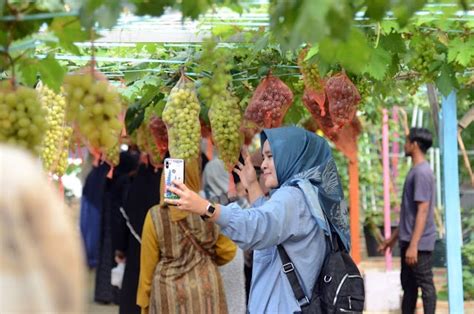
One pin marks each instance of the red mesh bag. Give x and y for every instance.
(324, 121)
(343, 98)
(160, 134)
(312, 80)
(146, 144)
(269, 103)
(346, 139)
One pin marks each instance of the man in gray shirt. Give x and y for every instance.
(417, 232)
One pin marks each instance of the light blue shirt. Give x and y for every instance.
(283, 219)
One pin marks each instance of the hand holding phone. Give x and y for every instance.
(174, 171)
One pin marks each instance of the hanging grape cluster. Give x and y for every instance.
(22, 118)
(146, 144)
(269, 103)
(425, 55)
(224, 113)
(112, 155)
(312, 81)
(181, 115)
(95, 107)
(343, 98)
(310, 71)
(160, 134)
(55, 148)
(226, 118)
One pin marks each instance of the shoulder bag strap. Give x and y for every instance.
(289, 269)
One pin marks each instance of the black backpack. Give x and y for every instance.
(339, 287)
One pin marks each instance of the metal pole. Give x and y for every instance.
(452, 204)
(386, 188)
(395, 154)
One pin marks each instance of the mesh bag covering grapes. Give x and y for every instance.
(343, 98)
(268, 106)
(269, 103)
(160, 134)
(312, 79)
(323, 120)
(181, 116)
(146, 144)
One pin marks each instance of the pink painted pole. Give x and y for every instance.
(386, 187)
(395, 152)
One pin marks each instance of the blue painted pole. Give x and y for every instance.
(452, 203)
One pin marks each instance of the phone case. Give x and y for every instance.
(174, 171)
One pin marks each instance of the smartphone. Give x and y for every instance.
(174, 171)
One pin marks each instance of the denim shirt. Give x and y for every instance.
(283, 219)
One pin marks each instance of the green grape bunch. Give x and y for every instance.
(310, 71)
(112, 155)
(55, 148)
(224, 113)
(94, 106)
(181, 116)
(226, 119)
(22, 118)
(424, 54)
(146, 143)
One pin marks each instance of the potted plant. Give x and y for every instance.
(373, 232)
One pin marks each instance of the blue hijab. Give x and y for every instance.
(303, 159)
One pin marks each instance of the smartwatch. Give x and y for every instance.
(210, 211)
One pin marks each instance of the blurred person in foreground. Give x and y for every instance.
(179, 258)
(416, 232)
(42, 263)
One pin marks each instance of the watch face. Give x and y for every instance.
(211, 209)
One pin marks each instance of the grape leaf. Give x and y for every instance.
(353, 54)
(52, 73)
(393, 42)
(193, 8)
(68, 30)
(376, 9)
(380, 61)
(26, 71)
(388, 26)
(404, 9)
(290, 20)
(153, 8)
(134, 117)
(461, 52)
(446, 81)
(311, 52)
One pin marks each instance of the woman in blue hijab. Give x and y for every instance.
(299, 169)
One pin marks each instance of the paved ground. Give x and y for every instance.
(94, 308)
(373, 263)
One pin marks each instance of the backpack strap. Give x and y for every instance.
(289, 269)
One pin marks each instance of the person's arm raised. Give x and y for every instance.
(248, 177)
